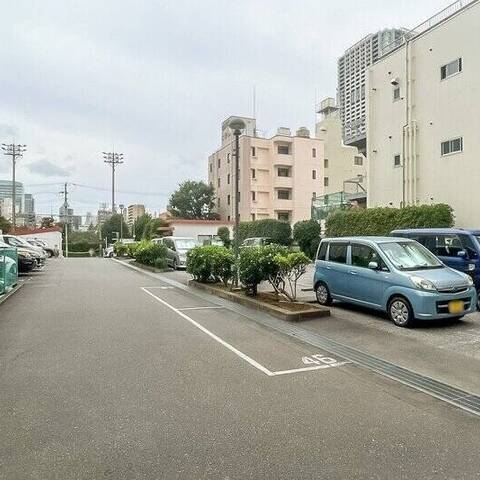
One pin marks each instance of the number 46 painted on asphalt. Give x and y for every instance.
(318, 360)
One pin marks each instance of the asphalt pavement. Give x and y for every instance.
(107, 372)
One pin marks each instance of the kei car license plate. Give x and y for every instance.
(456, 306)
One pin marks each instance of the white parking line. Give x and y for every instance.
(251, 361)
(199, 308)
(230, 347)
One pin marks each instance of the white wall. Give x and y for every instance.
(50, 238)
(439, 110)
(193, 230)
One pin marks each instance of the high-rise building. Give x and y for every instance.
(423, 124)
(6, 191)
(103, 214)
(133, 212)
(278, 176)
(351, 89)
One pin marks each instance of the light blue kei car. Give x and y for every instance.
(396, 275)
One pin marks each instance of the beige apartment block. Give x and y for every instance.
(345, 168)
(133, 212)
(278, 176)
(423, 116)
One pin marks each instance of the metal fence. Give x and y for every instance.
(8, 269)
(423, 27)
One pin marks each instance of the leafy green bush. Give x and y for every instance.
(257, 264)
(82, 246)
(148, 252)
(290, 268)
(160, 263)
(131, 249)
(382, 220)
(224, 234)
(307, 234)
(120, 249)
(210, 263)
(280, 232)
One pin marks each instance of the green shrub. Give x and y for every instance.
(210, 263)
(120, 249)
(279, 232)
(290, 268)
(382, 220)
(224, 234)
(148, 252)
(307, 234)
(257, 264)
(131, 249)
(160, 263)
(82, 246)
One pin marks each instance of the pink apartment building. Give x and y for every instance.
(278, 176)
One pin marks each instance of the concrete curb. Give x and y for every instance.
(312, 312)
(6, 296)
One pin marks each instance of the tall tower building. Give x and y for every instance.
(352, 67)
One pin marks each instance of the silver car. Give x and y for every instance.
(177, 249)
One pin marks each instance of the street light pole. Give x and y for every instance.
(236, 125)
(113, 159)
(121, 221)
(14, 151)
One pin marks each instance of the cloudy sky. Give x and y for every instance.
(154, 79)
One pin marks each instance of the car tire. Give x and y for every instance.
(174, 264)
(49, 254)
(400, 312)
(110, 255)
(322, 294)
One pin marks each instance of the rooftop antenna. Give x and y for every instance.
(255, 109)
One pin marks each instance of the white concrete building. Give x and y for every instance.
(345, 169)
(352, 67)
(423, 116)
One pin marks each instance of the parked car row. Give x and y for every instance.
(30, 255)
(412, 275)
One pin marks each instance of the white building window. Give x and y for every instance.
(283, 216)
(397, 160)
(283, 150)
(314, 174)
(254, 196)
(325, 163)
(283, 172)
(254, 153)
(314, 152)
(253, 173)
(452, 146)
(451, 68)
(325, 181)
(357, 160)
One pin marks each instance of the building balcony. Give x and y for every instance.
(282, 182)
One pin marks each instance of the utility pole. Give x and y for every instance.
(121, 221)
(65, 207)
(113, 159)
(14, 151)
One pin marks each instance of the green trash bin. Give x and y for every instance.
(8, 268)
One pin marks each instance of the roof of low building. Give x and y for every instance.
(35, 231)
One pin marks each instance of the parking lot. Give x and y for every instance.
(109, 372)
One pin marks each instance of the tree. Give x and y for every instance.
(140, 226)
(151, 228)
(224, 234)
(307, 234)
(47, 222)
(113, 225)
(5, 225)
(193, 200)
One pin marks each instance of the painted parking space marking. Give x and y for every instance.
(160, 288)
(321, 362)
(200, 308)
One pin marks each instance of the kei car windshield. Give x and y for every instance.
(410, 256)
(185, 244)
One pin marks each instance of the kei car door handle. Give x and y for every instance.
(353, 272)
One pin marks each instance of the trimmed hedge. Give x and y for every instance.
(382, 220)
(210, 263)
(280, 232)
(307, 235)
(152, 254)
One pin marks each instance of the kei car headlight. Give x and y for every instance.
(423, 284)
(470, 281)
(24, 255)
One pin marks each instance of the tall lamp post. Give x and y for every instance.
(14, 151)
(236, 125)
(121, 220)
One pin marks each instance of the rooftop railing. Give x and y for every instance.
(423, 27)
